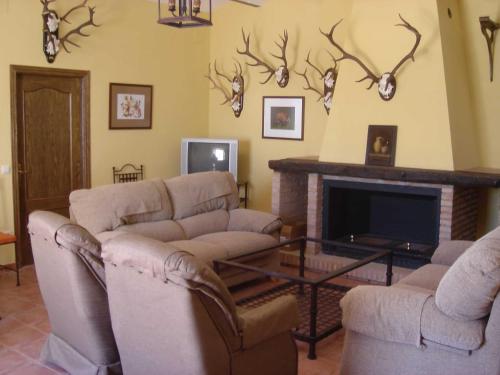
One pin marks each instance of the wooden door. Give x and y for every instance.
(50, 143)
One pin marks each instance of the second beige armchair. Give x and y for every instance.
(171, 314)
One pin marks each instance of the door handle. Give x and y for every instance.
(20, 169)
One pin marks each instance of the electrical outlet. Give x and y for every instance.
(5, 169)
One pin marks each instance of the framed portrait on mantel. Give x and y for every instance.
(130, 106)
(283, 117)
(381, 145)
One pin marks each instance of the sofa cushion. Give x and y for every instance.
(209, 222)
(239, 243)
(242, 219)
(204, 251)
(468, 289)
(427, 277)
(165, 230)
(80, 242)
(449, 251)
(106, 207)
(198, 193)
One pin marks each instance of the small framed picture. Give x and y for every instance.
(381, 145)
(283, 117)
(130, 106)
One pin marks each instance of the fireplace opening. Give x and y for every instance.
(403, 218)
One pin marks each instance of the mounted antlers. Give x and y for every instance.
(237, 87)
(387, 81)
(281, 72)
(51, 21)
(329, 78)
(488, 29)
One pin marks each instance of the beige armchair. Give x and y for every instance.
(71, 279)
(172, 314)
(444, 318)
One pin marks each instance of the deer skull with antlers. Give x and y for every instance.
(387, 81)
(329, 78)
(281, 72)
(237, 87)
(52, 43)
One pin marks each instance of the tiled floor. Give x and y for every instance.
(25, 325)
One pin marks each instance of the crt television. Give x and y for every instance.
(207, 154)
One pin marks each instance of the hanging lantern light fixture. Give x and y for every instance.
(185, 13)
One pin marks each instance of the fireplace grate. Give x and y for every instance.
(406, 254)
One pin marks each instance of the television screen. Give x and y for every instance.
(209, 154)
(208, 157)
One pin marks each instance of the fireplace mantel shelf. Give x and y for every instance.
(466, 178)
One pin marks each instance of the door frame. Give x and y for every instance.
(15, 72)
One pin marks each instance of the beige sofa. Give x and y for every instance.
(70, 274)
(197, 213)
(442, 319)
(171, 314)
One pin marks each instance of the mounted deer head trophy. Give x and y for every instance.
(237, 87)
(329, 78)
(488, 29)
(281, 72)
(51, 22)
(387, 81)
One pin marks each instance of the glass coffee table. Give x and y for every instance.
(318, 297)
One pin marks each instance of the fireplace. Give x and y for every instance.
(404, 218)
(386, 207)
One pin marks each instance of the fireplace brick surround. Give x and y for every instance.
(297, 196)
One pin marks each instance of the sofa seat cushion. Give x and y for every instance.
(239, 243)
(204, 251)
(165, 230)
(427, 277)
(468, 289)
(198, 193)
(209, 222)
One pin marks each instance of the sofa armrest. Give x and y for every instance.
(269, 320)
(242, 219)
(442, 329)
(385, 313)
(448, 252)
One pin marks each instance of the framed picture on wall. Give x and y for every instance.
(381, 145)
(283, 117)
(130, 106)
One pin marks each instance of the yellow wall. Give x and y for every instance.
(129, 47)
(485, 94)
(302, 20)
(463, 124)
(447, 117)
(419, 107)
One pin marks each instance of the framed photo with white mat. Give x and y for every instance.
(283, 117)
(130, 106)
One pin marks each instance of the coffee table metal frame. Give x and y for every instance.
(314, 284)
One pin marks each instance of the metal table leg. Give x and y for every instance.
(312, 322)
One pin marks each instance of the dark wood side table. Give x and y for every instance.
(6, 239)
(243, 199)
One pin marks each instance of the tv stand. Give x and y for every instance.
(243, 191)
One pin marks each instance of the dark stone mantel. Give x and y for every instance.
(479, 177)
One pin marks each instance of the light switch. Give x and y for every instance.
(5, 169)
